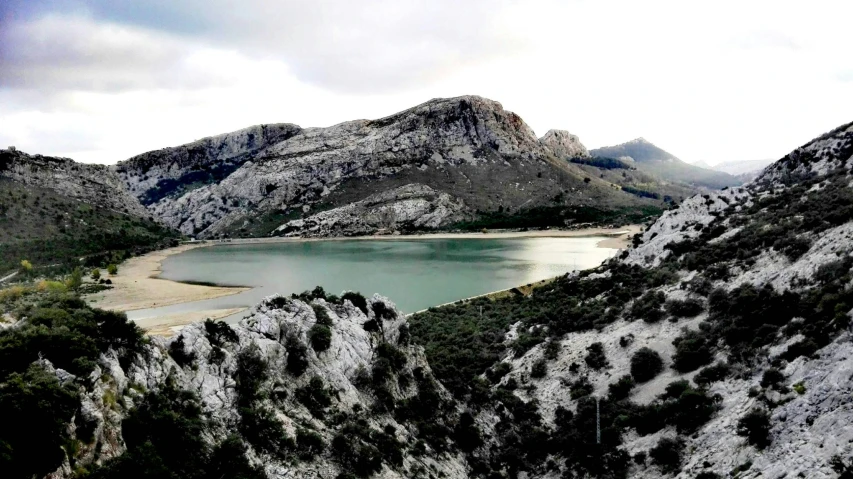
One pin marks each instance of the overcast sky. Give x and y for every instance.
(103, 80)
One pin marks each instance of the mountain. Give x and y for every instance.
(651, 159)
(54, 210)
(718, 345)
(467, 156)
(743, 170)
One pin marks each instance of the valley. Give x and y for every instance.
(716, 344)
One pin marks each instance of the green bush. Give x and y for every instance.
(322, 315)
(357, 300)
(712, 374)
(691, 351)
(315, 397)
(667, 454)
(621, 389)
(260, 427)
(595, 357)
(178, 352)
(309, 444)
(539, 369)
(581, 387)
(646, 363)
(36, 411)
(772, 378)
(684, 309)
(297, 356)
(755, 426)
(648, 307)
(320, 337)
(219, 333)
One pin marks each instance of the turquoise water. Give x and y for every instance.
(415, 274)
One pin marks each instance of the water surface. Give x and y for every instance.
(414, 273)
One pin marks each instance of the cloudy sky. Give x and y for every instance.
(102, 80)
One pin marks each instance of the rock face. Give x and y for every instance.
(564, 144)
(94, 184)
(270, 332)
(412, 206)
(469, 148)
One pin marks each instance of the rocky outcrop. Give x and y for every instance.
(410, 207)
(270, 331)
(98, 185)
(564, 144)
(469, 148)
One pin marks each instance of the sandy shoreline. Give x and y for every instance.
(136, 286)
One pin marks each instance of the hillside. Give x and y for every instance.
(471, 160)
(719, 345)
(54, 211)
(658, 162)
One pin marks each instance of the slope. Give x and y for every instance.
(55, 211)
(651, 159)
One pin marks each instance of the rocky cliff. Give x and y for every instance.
(564, 144)
(481, 156)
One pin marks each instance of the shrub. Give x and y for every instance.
(646, 363)
(315, 397)
(595, 357)
(357, 300)
(498, 371)
(708, 475)
(218, 333)
(539, 369)
(308, 444)
(179, 352)
(621, 389)
(322, 315)
(466, 434)
(36, 411)
(712, 374)
(264, 431)
(112, 269)
(251, 373)
(648, 307)
(800, 388)
(691, 351)
(96, 274)
(383, 312)
(755, 426)
(320, 337)
(772, 378)
(580, 388)
(667, 455)
(684, 309)
(552, 350)
(297, 357)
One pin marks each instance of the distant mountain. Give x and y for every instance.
(457, 161)
(654, 160)
(57, 211)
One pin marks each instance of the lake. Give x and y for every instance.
(413, 273)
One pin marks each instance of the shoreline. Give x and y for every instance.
(138, 285)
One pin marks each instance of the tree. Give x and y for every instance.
(96, 274)
(646, 364)
(112, 269)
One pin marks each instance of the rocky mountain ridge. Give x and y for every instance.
(92, 184)
(484, 157)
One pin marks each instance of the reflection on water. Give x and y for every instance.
(415, 274)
